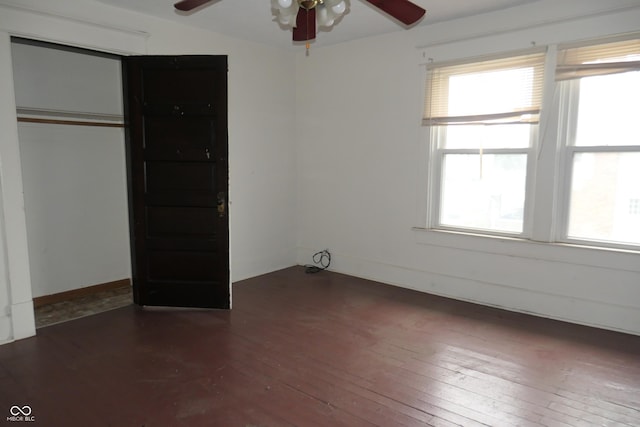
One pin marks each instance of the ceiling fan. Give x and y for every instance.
(304, 28)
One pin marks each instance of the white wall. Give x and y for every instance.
(261, 143)
(75, 192)
(60, 80)
(362, 172)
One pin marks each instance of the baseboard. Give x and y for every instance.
(80, 292)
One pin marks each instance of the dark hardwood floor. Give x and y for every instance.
(322, 350)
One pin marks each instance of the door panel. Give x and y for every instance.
(179, 138)
(177, 221)
(181, 265)
(172, 133)
(162, 87)
(178, 166)
(181, 177)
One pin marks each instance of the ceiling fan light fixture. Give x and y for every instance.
(308, 4)
(339, 8)
(328, 12)
(325, 19)
(286, 20)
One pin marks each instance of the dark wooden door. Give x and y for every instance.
(177, 147)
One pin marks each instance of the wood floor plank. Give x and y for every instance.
(323, 350)
(316, 378)
(334, 364)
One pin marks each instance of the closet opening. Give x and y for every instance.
(73, 159)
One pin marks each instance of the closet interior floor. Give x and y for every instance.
(87, 305)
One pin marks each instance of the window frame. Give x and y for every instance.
(567, 112)
(436, 154)
(435, 199)
(550, 158)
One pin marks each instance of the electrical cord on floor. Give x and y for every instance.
(322, 260)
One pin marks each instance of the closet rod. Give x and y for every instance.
(74, 118)
(70, 122)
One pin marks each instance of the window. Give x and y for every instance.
(487, 162)
(601, 94)
(483, 118)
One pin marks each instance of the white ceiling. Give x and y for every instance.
(253, 19)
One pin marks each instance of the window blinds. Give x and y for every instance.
(516, 98)
(576, 61)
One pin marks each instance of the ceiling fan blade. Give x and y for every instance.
(403, 10)
(187, 5)
(305, 28)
